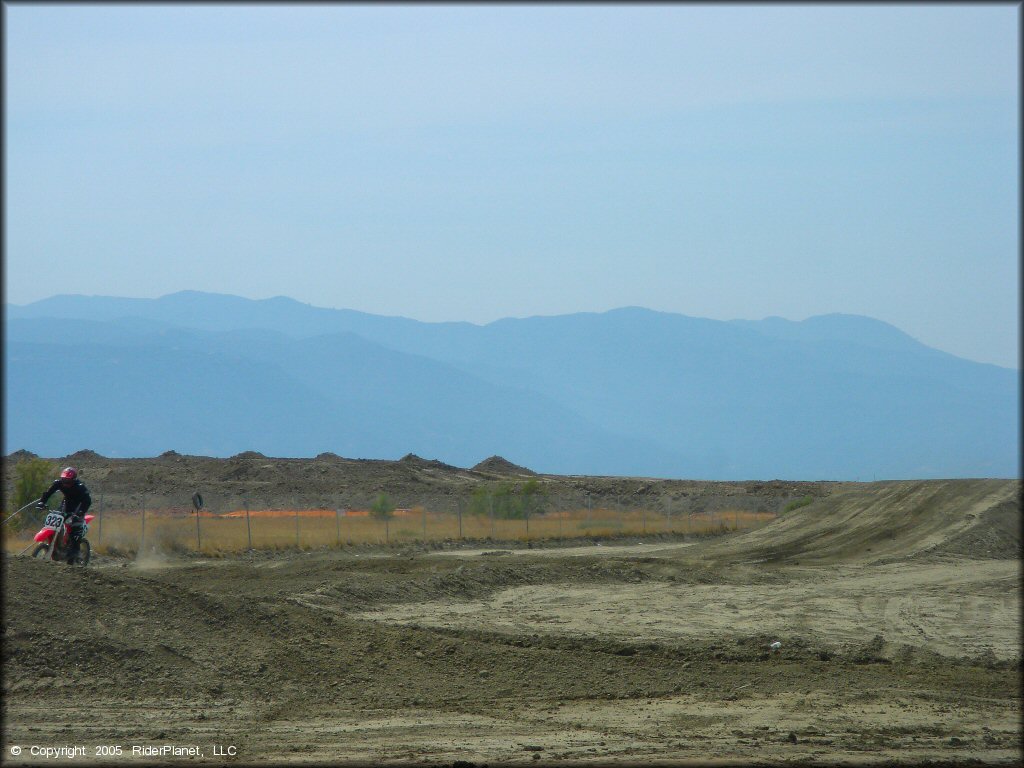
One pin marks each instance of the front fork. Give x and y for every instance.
(57, 544)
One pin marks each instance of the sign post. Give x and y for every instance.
(197, 505)
(248, 527)
(142, 543)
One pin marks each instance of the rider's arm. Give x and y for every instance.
(86, 501)
(49, 492)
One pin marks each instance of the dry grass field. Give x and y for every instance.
(120, 532)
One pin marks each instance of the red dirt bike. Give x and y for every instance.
(55, 537)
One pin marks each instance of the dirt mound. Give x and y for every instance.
(884, 522)
(329, 481)
(84, 456)
(414, 460)
(502, 466)
(995, 534)
(249, 455)
(130, 635)
(22, 455)
(159, 629)
(328, 456)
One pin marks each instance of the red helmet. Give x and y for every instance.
(68, 475)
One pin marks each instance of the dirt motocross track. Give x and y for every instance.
(897, 607)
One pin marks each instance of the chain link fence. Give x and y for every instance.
(222, 524)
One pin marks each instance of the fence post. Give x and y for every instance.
(142, 543)
(248, 526)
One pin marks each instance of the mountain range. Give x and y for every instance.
(625, 392)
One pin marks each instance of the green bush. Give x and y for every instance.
(508, 501)
(532, 498)
(382, 508)
(797, 503)
(479, 501)
(31, 478)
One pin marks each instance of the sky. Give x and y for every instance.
(474, 162)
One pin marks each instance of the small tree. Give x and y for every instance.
(506, 505)
(508, 501)
(31, 478)
(383, 509)
(533, 498)
(479, 503)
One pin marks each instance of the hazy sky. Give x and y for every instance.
(485, 161)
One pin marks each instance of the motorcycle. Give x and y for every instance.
(54, 538)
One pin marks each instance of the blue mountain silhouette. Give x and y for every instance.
(625, 392)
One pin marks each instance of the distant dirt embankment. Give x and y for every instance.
(888, 521)
(329, 481)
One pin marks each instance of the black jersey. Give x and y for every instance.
(76, 496)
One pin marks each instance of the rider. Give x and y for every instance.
(76, 502)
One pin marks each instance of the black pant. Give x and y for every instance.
(76, 529)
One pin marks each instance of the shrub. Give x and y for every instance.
(31, 478)
(382, 508)
(797, 503)
(507, 501)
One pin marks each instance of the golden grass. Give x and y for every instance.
(122, 532)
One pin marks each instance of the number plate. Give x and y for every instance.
(53, 520)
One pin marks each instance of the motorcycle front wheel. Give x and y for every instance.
(41, 549)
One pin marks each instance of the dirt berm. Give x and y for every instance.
(329, 481)
(889, 521)
(895, 607)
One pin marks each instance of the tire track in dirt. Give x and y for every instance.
(872, 522)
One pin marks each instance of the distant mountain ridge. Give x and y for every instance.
(629, 391)
(856, 329)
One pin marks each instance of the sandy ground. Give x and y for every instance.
(897, 606)
(954, 608)
(609, 549)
